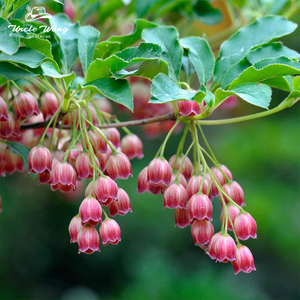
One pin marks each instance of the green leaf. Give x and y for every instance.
(164, 89)
(254, 93)
(167, 38)
(87, 39)
(135, 35)
(41, 45)
(12, 72)
(20, 150)
(267, 68)
(264, 30)
(201, 57)
(25, 56)
(117, 90)
(10, 41)
(143, 6)
(296, 83)
(282, 83)
(51, 69)
(121, 60)
(67, 40)
(271, 51)
(149, 69)
(206, 14)
(106, 48)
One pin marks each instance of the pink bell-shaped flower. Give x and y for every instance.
(132, 146)
(74, 228)
(118, 166)
(159, 172)
(202, 232)
(88, 239)
(25, 105)
(110, 232)
(105, 190)
(245, 226)
(90, 211)
(200, 208)
(244, 260)
(182, 217)
(39, 160)
(235, 192)
(175, 196)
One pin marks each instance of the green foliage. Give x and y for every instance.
(259, 33)
(167, 38)
(87, 39)
(12, 40)
(201, 56)
(116, 90)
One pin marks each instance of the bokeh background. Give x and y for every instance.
(155, 260)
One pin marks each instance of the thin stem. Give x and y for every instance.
(180, 146)
(182, 162)
(167, 138)
(206, 143)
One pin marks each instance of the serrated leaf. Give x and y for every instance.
(205, 13)
(117, 90)
(67, 41)
(20, 150)
(267, 68)
(106, 48)
(25, 56)
(167, 38)
(41, 45)
(10, 41)
(271, 51)
(87, 39)
(51, 69)
(135, 35)
(12, 72)
(201, 57)
(164, 89)
(282, 83)
(148, 69)
(254, 93)
(264, 30)
(121, 60)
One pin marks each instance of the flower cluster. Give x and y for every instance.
(189, 189)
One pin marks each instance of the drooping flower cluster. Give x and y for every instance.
(189, 189)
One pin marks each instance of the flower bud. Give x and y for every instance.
(110, 232)
(90, 211)
(225, 248)
(175, 196)
(105, 190)
(245, 226)
(132, 146)
(88, 240)
(187, 168)
(221, 178)
(39, 160)
(202, 232)
(233, 212)
(63, 177)
(182, 217)
(118, 166)
(194, 184)
(74, 228)
(200, 208)
(188, 108)
(244, 260)
(3, 111)
(159, 172)
(235, 192)
(25, 105)
(83, 166)
(49, 103)
(113, 135)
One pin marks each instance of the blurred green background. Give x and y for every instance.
(155, 260)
